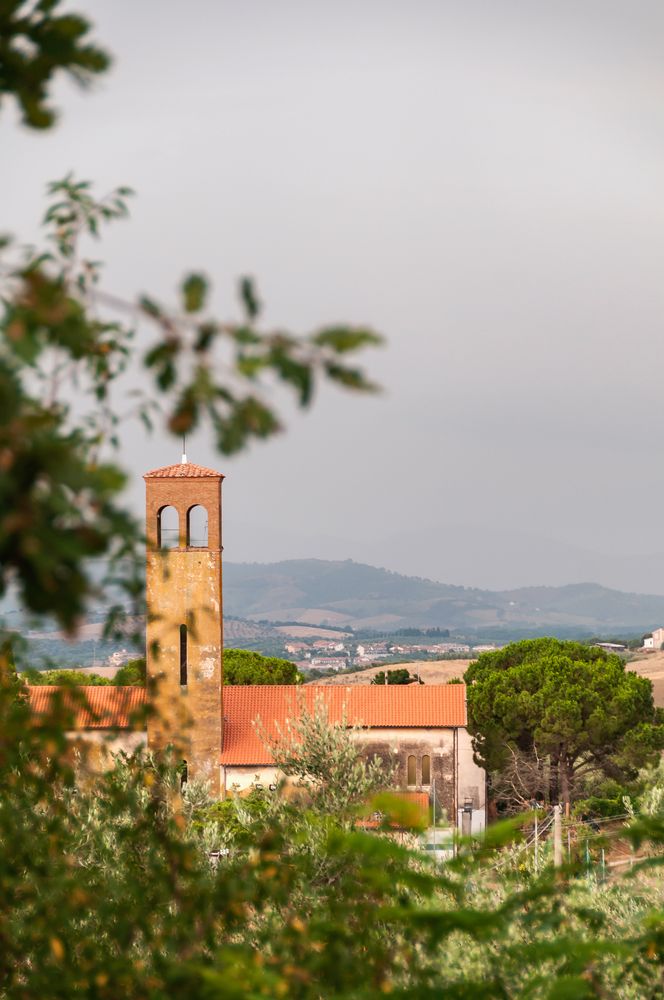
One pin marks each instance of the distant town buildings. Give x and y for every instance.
(330, 655)
(326, 663)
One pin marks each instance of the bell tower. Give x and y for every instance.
(184, 629)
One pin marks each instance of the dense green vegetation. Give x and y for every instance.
(118, 885)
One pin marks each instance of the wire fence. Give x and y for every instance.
(584, 842)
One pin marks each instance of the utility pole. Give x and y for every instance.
(557, 835)
(434, 820)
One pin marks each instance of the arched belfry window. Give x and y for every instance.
(426, 770)
(183, 655)
(168, 528)
(197, 527)
(411, 777)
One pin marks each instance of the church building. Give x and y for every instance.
(419, 729)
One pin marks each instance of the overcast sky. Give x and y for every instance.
(479, 180)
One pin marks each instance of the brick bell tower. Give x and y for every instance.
(184, 631)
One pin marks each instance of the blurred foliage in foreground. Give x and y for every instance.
(66, 342)
(65, 345)
(121, 886)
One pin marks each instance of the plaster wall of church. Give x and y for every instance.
(456, 781)
(472, 784)
(101, 746)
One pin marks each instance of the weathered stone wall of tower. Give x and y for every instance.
(184, 587)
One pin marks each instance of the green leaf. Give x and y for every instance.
(343, 339)
(350, 378)
(295, 372)
(149, 307)
(194, 291)
(249, 298)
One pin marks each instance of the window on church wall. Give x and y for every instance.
(183, 655)
(411, 771)
(168, 528)
(426, 770)
(197, 527)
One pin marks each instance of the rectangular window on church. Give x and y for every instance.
(183, 655)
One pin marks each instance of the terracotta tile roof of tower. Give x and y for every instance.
(183, 470)
(430, 706)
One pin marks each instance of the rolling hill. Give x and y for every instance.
(347, 593)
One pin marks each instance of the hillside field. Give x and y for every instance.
(441, 671)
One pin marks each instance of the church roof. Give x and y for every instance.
(94, 707)
(414, 706)
(395, 706)
(183, 470)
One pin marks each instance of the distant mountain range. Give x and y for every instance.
(322, 592)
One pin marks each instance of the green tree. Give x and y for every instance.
(132, 673)
(398, 676)
(242, 666)
(574, 708)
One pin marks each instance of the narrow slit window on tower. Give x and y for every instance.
(197, 527)
(426, 770)
(183, 655)
(411, 777)
(168, 528)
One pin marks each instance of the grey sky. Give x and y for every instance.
(480, 181)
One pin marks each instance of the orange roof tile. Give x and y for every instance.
(183, 470)
(106, 706)
(390, 706)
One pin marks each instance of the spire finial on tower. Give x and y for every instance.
(184, 449)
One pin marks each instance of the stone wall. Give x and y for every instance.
(395, 746)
